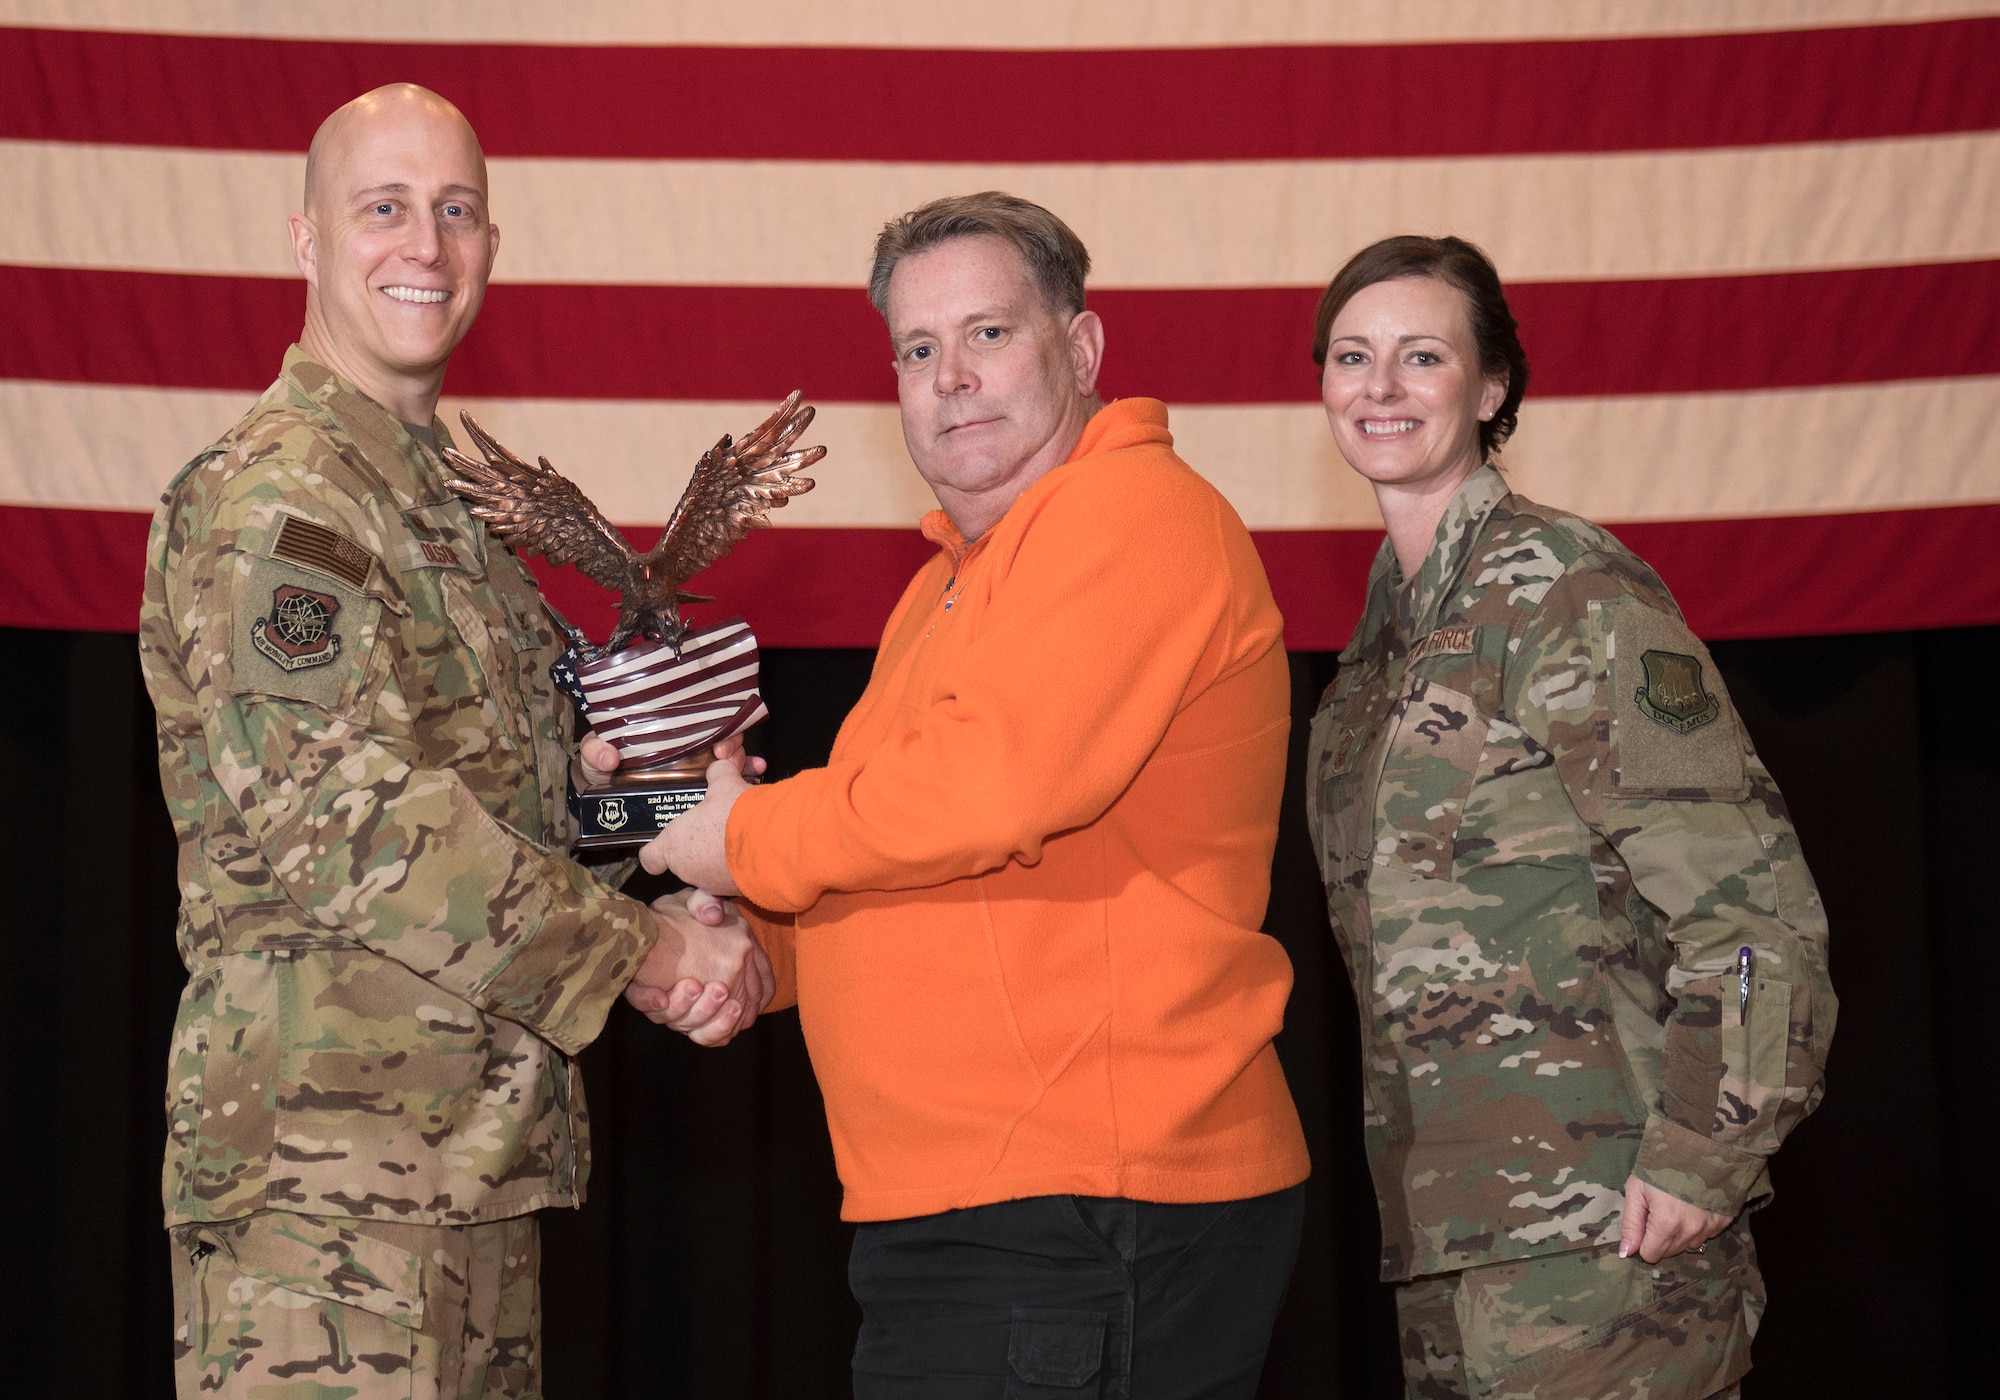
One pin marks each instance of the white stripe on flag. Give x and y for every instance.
(646, 697)
(1203, 224)
(1682, 456)
(1019, 24)
(1665, 457)
(645, 748)
(654, 664)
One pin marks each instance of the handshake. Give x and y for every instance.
(706, 977)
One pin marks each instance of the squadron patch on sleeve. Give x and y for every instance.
(1673, 694)
(1674, 733)
(296, 635)
(298, 631)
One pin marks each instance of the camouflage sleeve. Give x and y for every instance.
(1610, 681)
(323, 768)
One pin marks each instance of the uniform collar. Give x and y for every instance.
(412, 476)
(1415, 605)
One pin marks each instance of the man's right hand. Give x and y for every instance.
(706, 976)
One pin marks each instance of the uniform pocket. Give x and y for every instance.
(1752, 1095)
(1335, 826)
(1589, 1323)
(328, 1260)
(280, 1302)
(1054, 1352)
(501, 704)
(1427, 773)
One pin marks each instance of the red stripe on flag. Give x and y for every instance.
(1654, 93)
(796, 588)
(78, 570)
(1249, 345)
(1785, 576)
(1780, 576)
(1651, 336)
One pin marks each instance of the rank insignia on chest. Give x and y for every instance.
(1673, 694)
(1343, 751)
(298, 633)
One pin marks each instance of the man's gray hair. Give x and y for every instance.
(1056, 257)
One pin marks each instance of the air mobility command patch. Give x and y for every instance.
(298, 633)
(1673, 693)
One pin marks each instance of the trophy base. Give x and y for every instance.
(623, 811)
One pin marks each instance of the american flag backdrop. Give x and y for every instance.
(1754, 246)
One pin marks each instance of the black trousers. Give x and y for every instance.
(1072, 1298)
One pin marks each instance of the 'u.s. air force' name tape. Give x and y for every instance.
(1446, 641)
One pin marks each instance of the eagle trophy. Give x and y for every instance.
(734, 489)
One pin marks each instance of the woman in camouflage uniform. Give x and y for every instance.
(1590, 962)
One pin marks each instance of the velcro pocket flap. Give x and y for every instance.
(331, 1260)
(1427, 774)
(1755, 1088)
(1056, 1349)
(1675, 732)
(297, 635)
(504, 712)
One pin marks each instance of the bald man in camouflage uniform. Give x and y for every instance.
(1551, 858)
(391, 963)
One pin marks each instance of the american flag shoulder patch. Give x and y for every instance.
(322, 549)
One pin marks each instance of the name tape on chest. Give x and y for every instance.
(1446, 641)
(435, 546)
(431, 554)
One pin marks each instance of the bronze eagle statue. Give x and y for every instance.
(734, 489)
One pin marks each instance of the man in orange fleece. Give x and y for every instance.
(1019, 907)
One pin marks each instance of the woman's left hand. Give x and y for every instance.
(1659, 1226)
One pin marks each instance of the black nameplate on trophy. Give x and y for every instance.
(628, 810)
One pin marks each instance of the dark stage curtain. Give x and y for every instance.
(710, 1261)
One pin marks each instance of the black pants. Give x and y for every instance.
(1072, 1298)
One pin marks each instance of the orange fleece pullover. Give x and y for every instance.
(1026, 888)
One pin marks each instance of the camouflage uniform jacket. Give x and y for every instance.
(1545, 838)
(390, 960)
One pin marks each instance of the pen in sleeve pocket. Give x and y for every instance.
(1743, 956)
